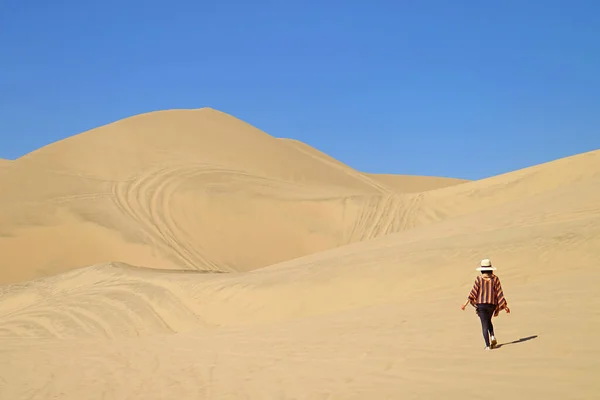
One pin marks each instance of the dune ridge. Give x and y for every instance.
(374, 314)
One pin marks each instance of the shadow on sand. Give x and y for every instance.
(525, 339)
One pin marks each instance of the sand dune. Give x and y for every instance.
(373, 320)
(185, 189)
(359, 319)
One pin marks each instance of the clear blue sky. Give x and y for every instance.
(457, 88)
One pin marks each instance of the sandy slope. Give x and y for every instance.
(369, 319)
(193, 189)
(377, 319)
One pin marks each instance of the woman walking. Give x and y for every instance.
(488, 299)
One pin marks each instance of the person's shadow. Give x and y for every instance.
(525, 339)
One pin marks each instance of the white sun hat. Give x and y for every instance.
(486, 265)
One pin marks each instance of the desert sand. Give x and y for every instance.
(185, 254)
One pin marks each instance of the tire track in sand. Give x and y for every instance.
(147, 200)
(110, 302)
(384, 214)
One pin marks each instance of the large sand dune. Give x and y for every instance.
(193, 189)
(351, 319)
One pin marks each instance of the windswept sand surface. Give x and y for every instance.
(213, 273)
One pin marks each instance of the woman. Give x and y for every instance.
(488, 299)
